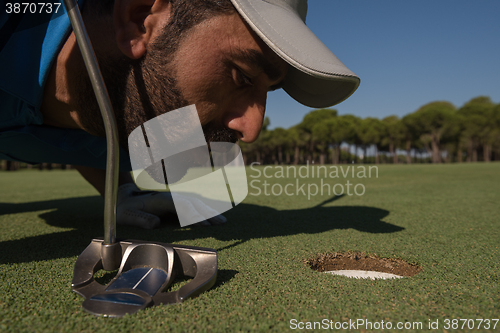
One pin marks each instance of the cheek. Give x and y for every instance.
(218, 108)
(213, 94)
(211, 97)
(203, 84)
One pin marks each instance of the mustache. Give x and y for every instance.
(219, 134)
(158, 171)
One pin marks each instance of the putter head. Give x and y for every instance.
(146, 270)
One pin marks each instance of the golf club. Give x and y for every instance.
(145, 269)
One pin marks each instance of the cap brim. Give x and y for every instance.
(316, 78)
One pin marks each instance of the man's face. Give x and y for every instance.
(226, 71)
(220, 65)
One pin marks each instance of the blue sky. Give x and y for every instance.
(407, 53)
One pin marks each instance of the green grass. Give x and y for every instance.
(443, 217)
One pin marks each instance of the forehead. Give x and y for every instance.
(231, 35)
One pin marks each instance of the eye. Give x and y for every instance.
(241, 79)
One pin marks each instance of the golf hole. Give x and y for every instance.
(362, 266)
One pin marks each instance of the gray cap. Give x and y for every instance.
(316, 78)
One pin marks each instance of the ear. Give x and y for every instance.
(137, 23)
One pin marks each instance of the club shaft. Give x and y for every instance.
(112, 159)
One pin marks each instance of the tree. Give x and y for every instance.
(478, 127)
(310, 120)
(332, 132)
(316, 116)
(322, 136)
(393, 135)
(496, 132)
(279, 140)
(353, 137)
(410, 133)
(451, 140)
(370, 132)
(432, 121)
(298, 140)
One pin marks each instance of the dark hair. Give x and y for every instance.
(189, 13)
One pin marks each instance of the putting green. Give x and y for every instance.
(441, 217)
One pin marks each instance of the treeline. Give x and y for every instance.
(13, 166)
(437, 132)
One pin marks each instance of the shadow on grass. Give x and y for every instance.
(246, 221)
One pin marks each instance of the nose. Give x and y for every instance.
(247, 121)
